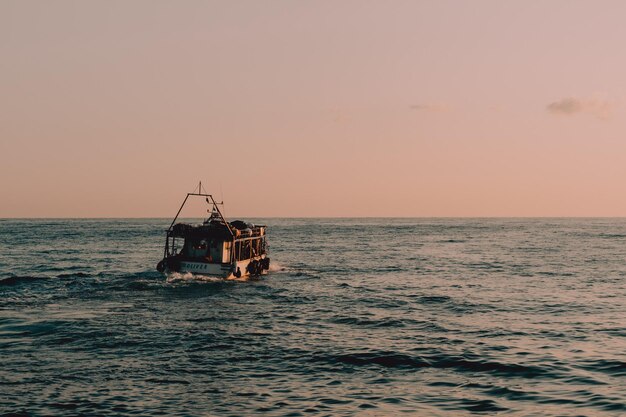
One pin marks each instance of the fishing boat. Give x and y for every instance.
(216, 247)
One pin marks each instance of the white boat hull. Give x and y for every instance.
(225, 271)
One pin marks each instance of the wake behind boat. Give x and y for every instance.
(216, 247)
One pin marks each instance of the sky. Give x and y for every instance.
(313, 108)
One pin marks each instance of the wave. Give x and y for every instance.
(20, 280)
(480, 406)
(489, 266)
(385, 322)
(611, 236)
(75, 275)
(433, 299)
(400, 360)
(167, 381)
(611, 367)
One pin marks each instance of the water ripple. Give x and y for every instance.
(369, 317)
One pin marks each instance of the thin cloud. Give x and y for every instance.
(431, 107)
(568, 106)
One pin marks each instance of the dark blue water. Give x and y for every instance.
(523, 317)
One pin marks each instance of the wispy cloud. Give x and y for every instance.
(600, 108)
(431, 107)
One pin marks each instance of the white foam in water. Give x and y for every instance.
(276, 267)
(188, 276)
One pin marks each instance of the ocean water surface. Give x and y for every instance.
(371, 317)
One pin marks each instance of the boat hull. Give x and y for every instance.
(224, 271)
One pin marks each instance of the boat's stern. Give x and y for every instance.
(244, 268)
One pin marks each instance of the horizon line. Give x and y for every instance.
(320, 217)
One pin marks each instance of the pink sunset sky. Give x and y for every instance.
(318, 108)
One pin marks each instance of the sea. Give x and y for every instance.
(357, 317)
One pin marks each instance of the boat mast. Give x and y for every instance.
(215, 205)
(212, 201)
